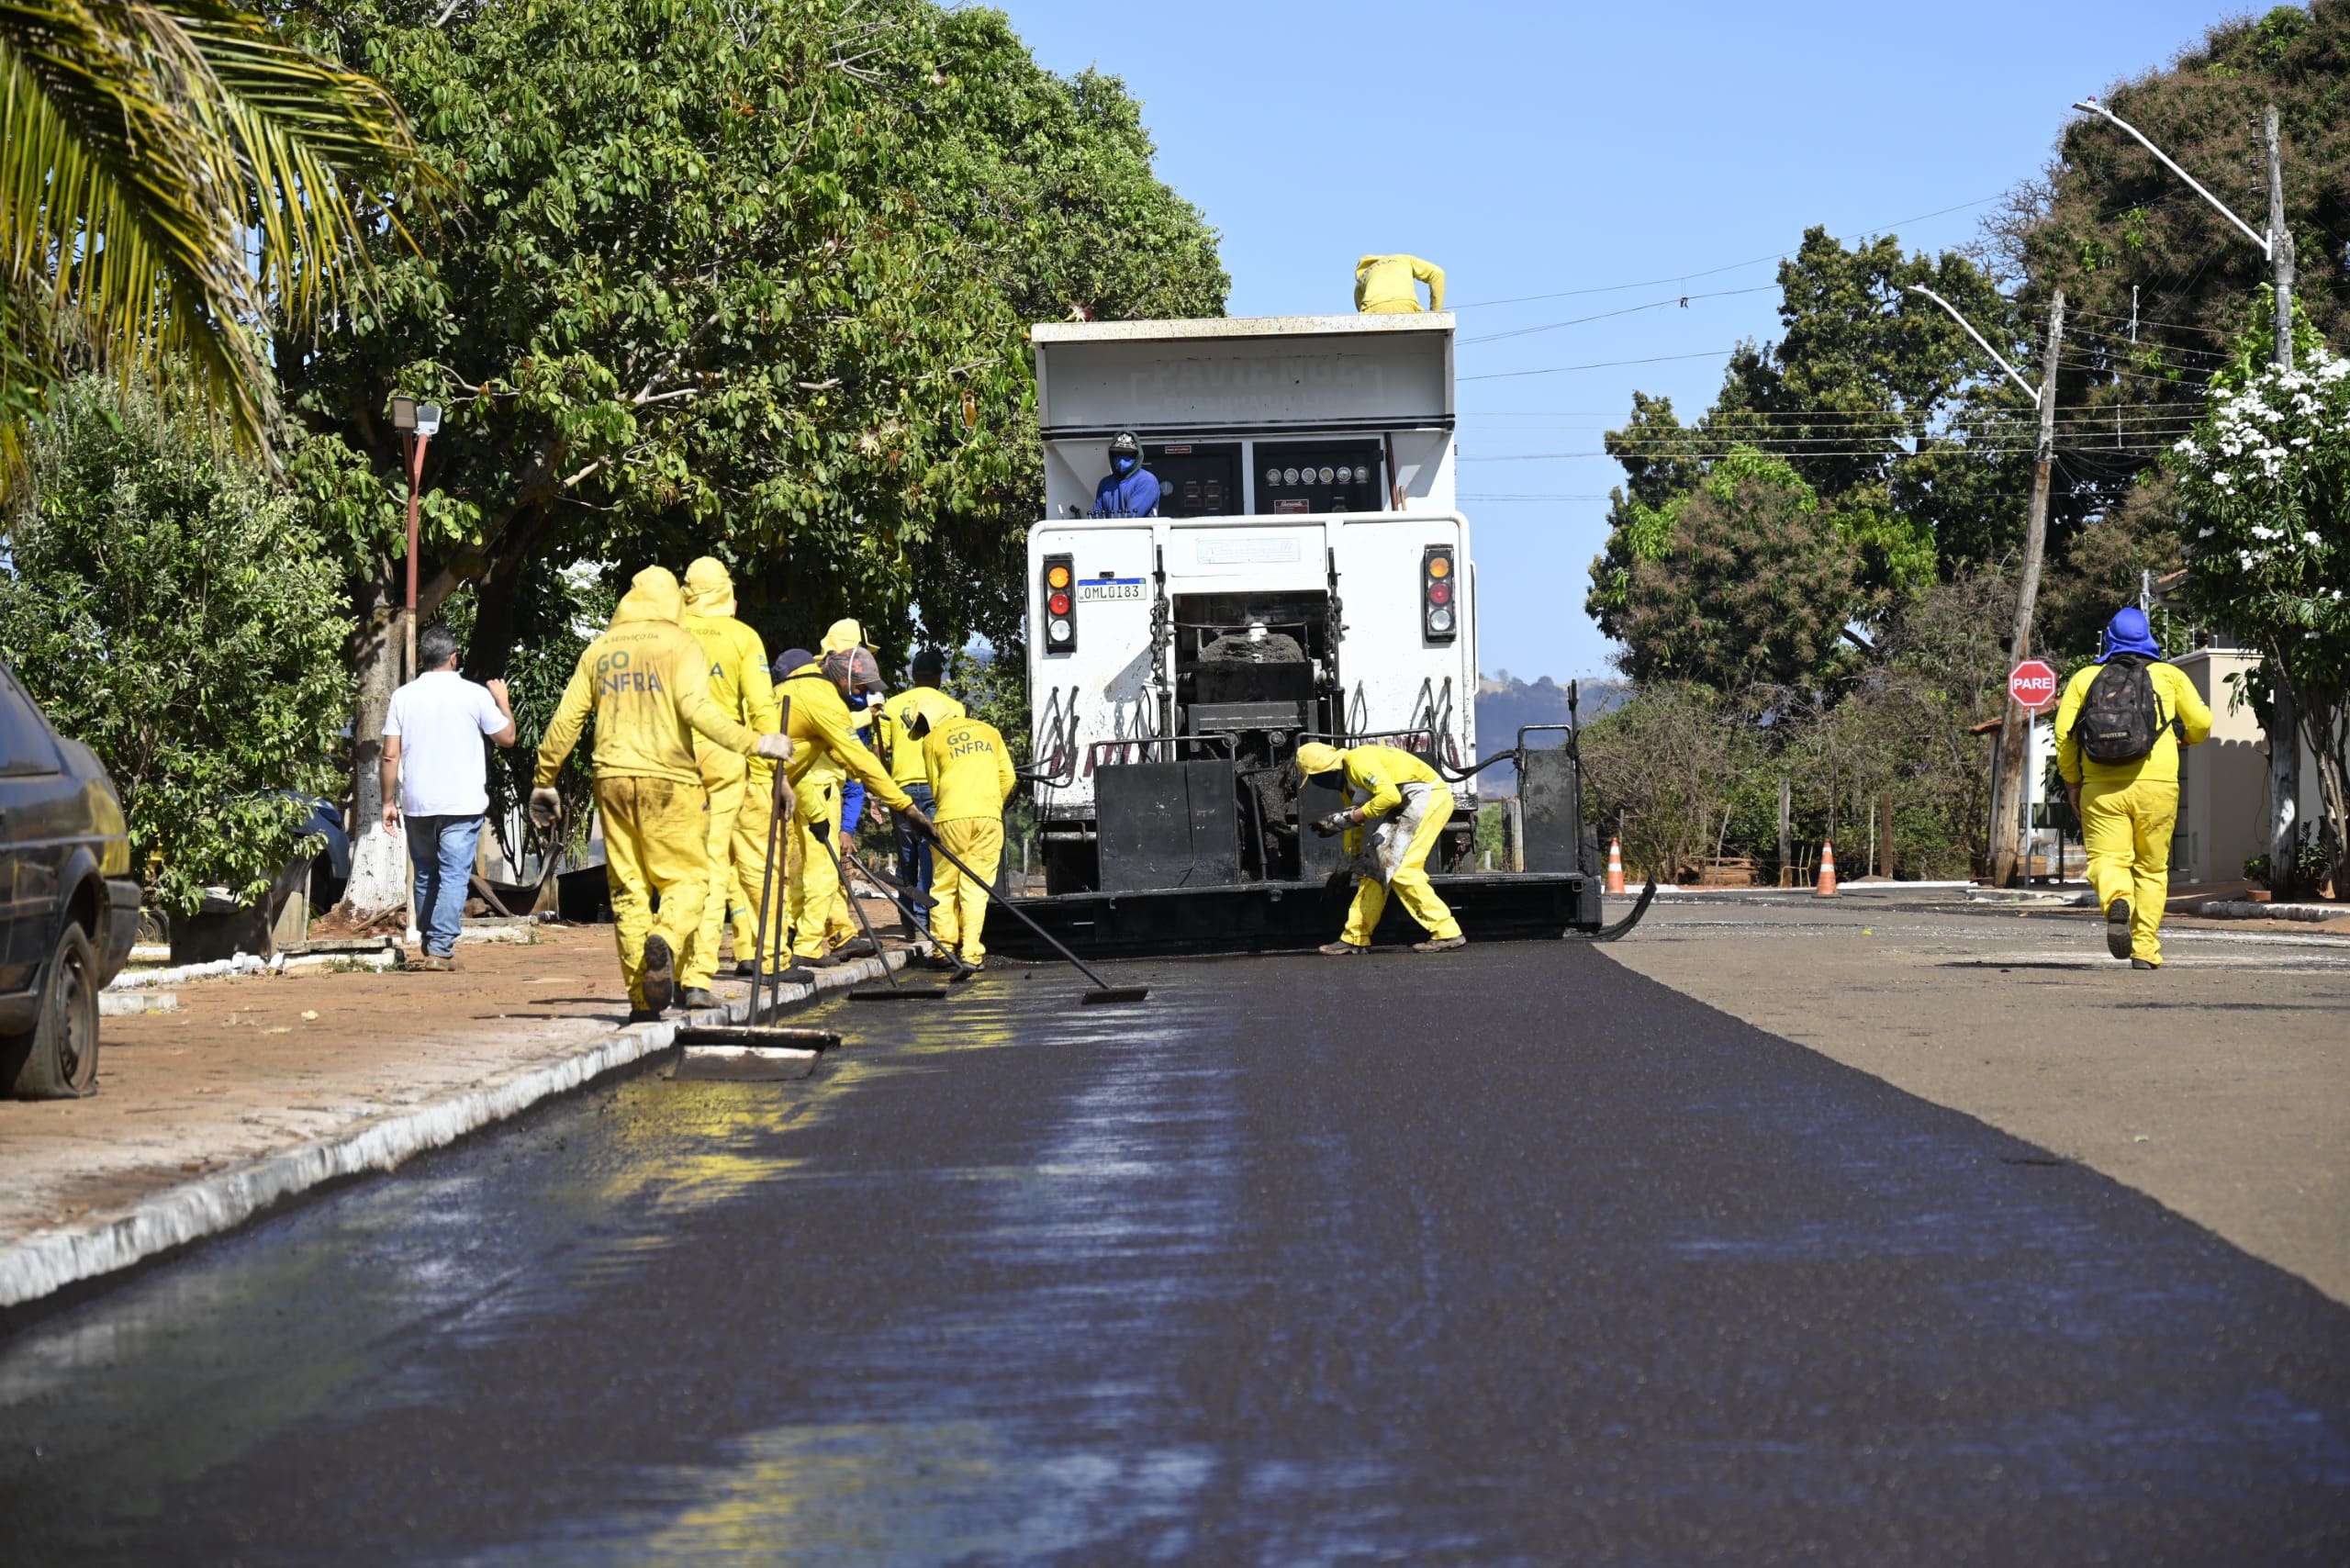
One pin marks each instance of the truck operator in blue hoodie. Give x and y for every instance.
(1130, 489)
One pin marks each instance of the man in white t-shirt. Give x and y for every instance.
(437, 776)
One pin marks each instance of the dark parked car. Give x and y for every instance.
(68, 908)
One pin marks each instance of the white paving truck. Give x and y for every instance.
(1307, 576)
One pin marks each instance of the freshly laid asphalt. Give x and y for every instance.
(1509, 1256)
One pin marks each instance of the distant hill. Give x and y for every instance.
(1505, 705)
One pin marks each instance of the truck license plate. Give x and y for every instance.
(1093, 590)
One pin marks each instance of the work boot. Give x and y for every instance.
(644, 1016)
(1341, 950)
(815, 960)
(2117, 928)
(694, 998)
(660, 973)
(746, 970)
(1440, 945)
(2143, 964)
(857, 947)
(936, 961)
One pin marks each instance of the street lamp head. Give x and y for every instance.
(403, 412)
(428, 418)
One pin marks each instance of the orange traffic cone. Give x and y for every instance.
(1827, 888)
(1614, 865)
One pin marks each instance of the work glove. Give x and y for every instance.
(546, 805)
(915, 815)
(777, 746)
(1333, 824)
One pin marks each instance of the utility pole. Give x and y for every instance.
(2008, 832)
(2276, 244)
(2285, 740)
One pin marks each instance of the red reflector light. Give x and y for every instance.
(1439, 593)
(1060, 604)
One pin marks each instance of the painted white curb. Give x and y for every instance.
(49, 1260)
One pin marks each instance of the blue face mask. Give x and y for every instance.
(1122, 466)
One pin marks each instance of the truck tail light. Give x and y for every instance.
(1440, 615)
(1060, 604)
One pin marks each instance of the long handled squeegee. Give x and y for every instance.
(893, 991)
(1103, 991)
(754, 1052)
(910, 903)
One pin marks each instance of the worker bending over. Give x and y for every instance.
(1390, 286)
(647, 681)
(1397, 807)
(740, 687)
(970, 774)
(902, 751)
(827, 751)
(2118, 734)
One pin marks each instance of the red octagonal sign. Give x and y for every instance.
(2033, 683)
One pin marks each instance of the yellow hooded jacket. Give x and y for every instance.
(970, 770)
(647, 680)
(823, 730)
(1388, 285)
(739, 681)
(2174, 699)
(906, 763)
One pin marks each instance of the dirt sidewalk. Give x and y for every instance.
(2218, 1085)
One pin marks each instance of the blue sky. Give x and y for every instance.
(1535, 149)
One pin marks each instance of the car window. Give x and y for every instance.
(25, 746)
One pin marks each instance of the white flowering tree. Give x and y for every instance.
(2264, 481)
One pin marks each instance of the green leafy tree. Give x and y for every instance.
(166, 609)
(750, 280)
(176, 175)
(2264, 484)
(1738, 582)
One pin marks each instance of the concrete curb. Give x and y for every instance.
(2239, 909)
(49, 1260)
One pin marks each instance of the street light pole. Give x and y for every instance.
(418, 424)
(2284, 737)
(2011, 787)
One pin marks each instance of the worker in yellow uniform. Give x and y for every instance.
(647, 681)
(1397, 806)
(903, 752)
(2119, 731)
(970, 774)
(739, 683)
(824, 733)
(1390, 286)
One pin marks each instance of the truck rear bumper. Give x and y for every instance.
(1264, 917)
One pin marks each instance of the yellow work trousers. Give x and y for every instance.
(747, 868)
(1409, 883)
(961, 911)
(655, 841)
(2126, 829)
(816, 906)
(697, 965)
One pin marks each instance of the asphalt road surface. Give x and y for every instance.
(1505, 1257)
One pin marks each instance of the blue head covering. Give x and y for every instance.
(2127, 633)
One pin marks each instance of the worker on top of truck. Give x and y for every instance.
(1390, 286)
(1129, 490)
(1397, 808)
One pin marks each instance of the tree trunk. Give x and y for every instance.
(1884, 836)
(2284, 783)
(378, 860)
(2323, 724)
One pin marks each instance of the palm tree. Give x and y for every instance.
(177, 181)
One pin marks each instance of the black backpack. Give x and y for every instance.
(2119, 718)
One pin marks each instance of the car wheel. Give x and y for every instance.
(59, 1060)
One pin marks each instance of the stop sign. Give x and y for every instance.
(2033, 683)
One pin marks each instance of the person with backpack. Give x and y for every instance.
(2118, 731)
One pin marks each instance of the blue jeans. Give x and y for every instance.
(440, 852)
(913, 848)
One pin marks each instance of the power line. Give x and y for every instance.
(1731, 266)
(1596, 364)
(1683, 299)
